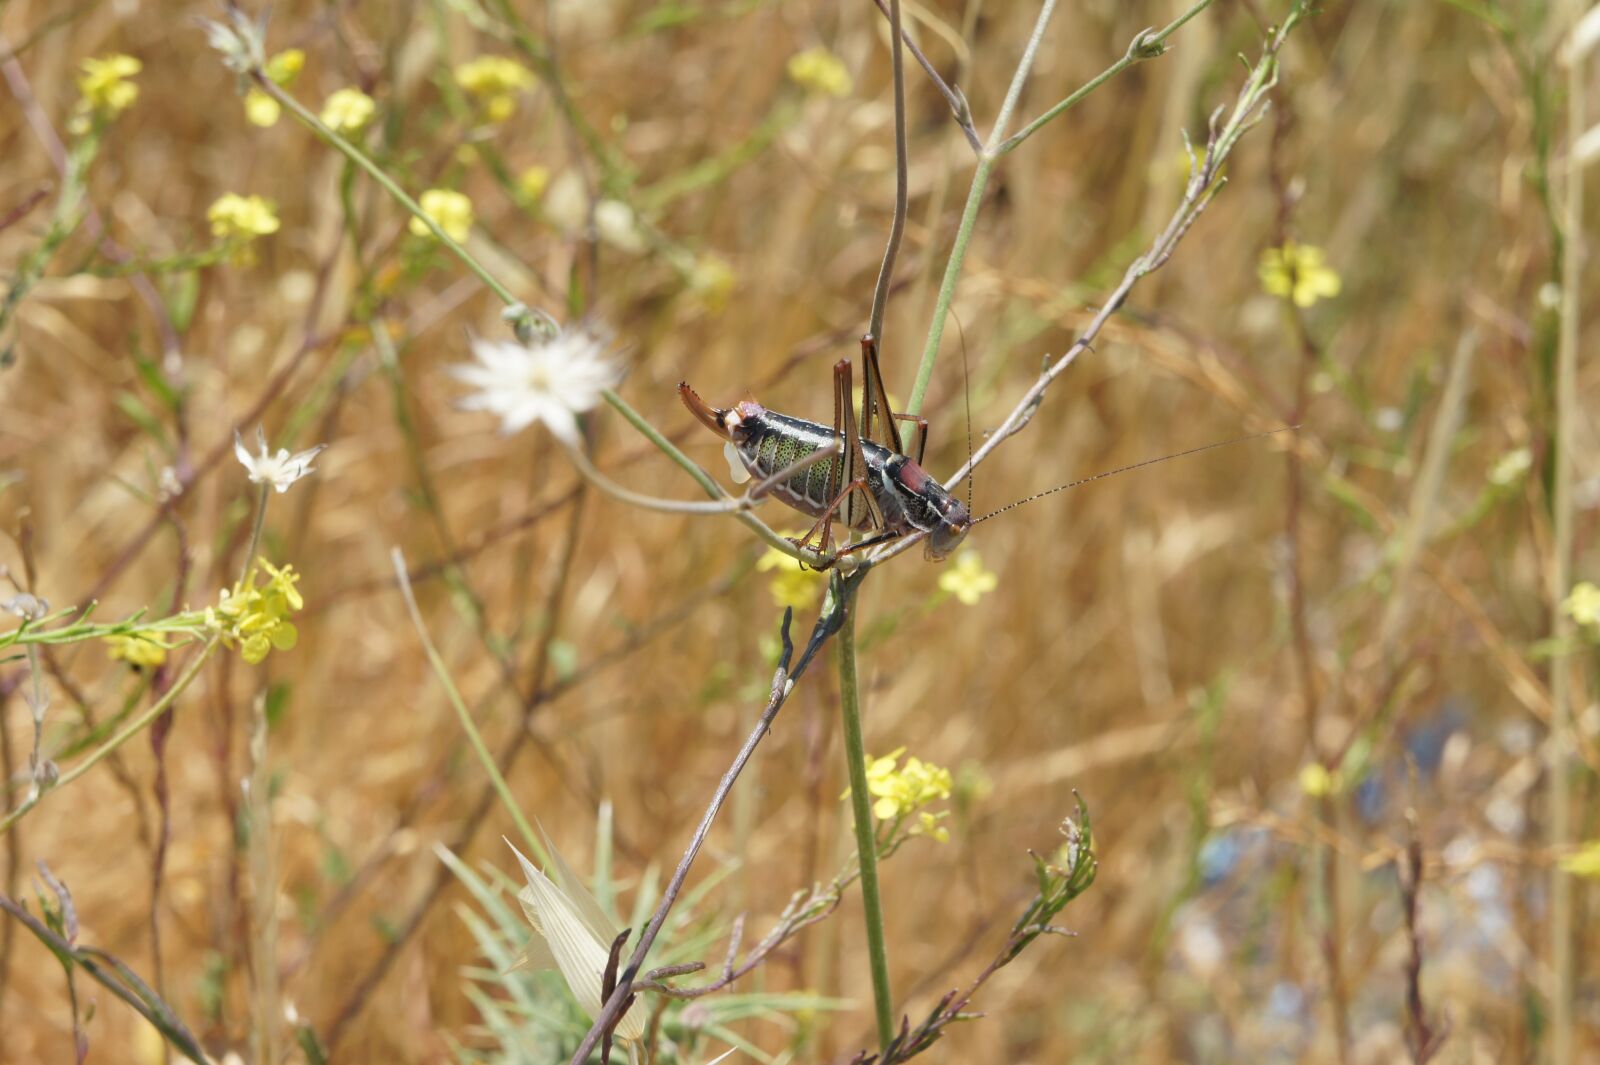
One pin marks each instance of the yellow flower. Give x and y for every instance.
(138, 651)
(257, 618)
(494, 82)
(1297, 272)
(902, 791)
(928, 825)
(712, 279)
(966, 579)
(1318, 781)
(348, 111)
(819, 70)
(794, 585)
(260, 109)
(105, 87)
(1582, 604)
(1584, 862)
(450, 210)
(532, 182)
(241, 219)
(284, 67)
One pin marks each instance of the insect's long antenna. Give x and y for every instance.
(1134, 466)
(966, 376)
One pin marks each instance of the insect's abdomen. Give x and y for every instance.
(776, 442)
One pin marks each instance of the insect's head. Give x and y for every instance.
(951, 529)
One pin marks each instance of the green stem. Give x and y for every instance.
(255, 533)
(1144, 46)
(159, 707)
(861, 806)
(374, 171)
(1562, 934)
(712, 489)
(947, 285)
(969, 213)
(529, 837)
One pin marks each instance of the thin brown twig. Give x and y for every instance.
(960, 110)
(1423, 1040)
(783, 682)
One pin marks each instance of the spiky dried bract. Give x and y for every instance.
(577, 936)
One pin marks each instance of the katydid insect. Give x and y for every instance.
(872, 485)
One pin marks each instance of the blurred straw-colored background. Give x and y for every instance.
(1250, 663)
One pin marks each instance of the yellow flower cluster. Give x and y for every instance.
(820, 71)
(966, 579)
(257, 618)
(1582, 604)
(1297, 272)
(235, 217)
(138, 650)
(105, 87)
(494, 82)
(451, 211)
(261, 109)
(793, 585)
(348, 111)
(899, 792)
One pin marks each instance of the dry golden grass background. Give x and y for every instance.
(1140, 646)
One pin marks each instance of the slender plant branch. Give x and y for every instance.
(468, 726)
(880, 293)
(952, 96)
(1205, 180)
(138, 725)
(861, 808)
(1146, 45)
(1562, 1044)
(255, 532)
(116, 978)
(783, 682)
(376, 173)
(969, 213)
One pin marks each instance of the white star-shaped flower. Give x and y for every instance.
(279, 470)
(549, 380)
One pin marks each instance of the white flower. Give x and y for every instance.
(576, 936)
(280, 470)
(549, 380)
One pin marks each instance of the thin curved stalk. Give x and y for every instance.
(1146, 45)
(880, 294)
(866, 835)
(139, 724)
(468, 726)
(969, 213)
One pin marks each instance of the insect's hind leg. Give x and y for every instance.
(921, 430)
(822, 531)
